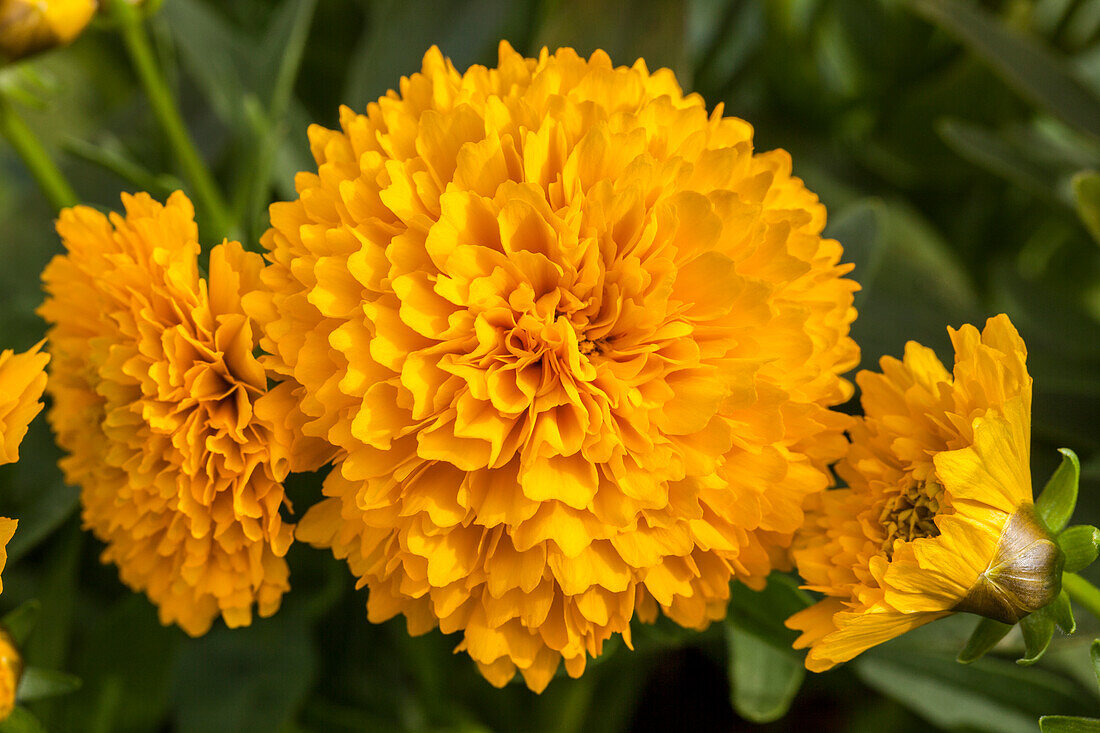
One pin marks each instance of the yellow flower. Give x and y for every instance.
(11, 663)
(11, 669)
(938, 515)
(574, 342)
(30, 26)
(22, 380)
(172, 435)
(7, 531)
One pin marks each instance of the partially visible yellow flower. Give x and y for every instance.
(7, 531)
(938, 516)
(11, 663)
(575, 342)
(172, 434)
(11, 669)
(30, 26)
(22, 380)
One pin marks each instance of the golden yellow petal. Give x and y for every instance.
(857, 632)
(22, 381)
(996, 469)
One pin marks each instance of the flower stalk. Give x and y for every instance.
(47, 175)
(132, 28)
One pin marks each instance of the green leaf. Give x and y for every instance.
(110, 155)
(214, 54)
(859, 229)
(991, 695)
(1094, 654)
(42, 518)
(762, 613)
(992, 151)
(21, 721)
(20, 622)
(1055, 505)
(281, 49)
(250, 679)
(36, 684)
(1026, 65)
(285, 43)
(763, 679)
(1086, 195)
(399, 33)
(1068, 724)
(986, 635)
(49, 645)
(1063, 342)
(1060, 611)
(1038, 630)
(34, 490)
(1081, 545)
(920, 286)
(651, 29)
(126, 686)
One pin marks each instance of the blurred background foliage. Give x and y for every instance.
(952, 142)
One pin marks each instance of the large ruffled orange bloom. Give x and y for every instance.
(172, 435)
(574, 342)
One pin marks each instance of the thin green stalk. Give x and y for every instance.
(273, 126)
(131, 25)
(1082, 592)
(46, 173)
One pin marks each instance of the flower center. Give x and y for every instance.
(911, 513)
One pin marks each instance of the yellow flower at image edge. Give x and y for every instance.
(22, 381)
(938, 515)
(11, 662)
(30, 26)
(11, 669)
(172, 435)
(575, 344)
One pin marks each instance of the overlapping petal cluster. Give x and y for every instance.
(574, 342)
(22, 381)
(177, 444)
(939, 498)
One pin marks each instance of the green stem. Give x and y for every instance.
(1082, 592)
(209, 198)
(273, 128)
(46, 173)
